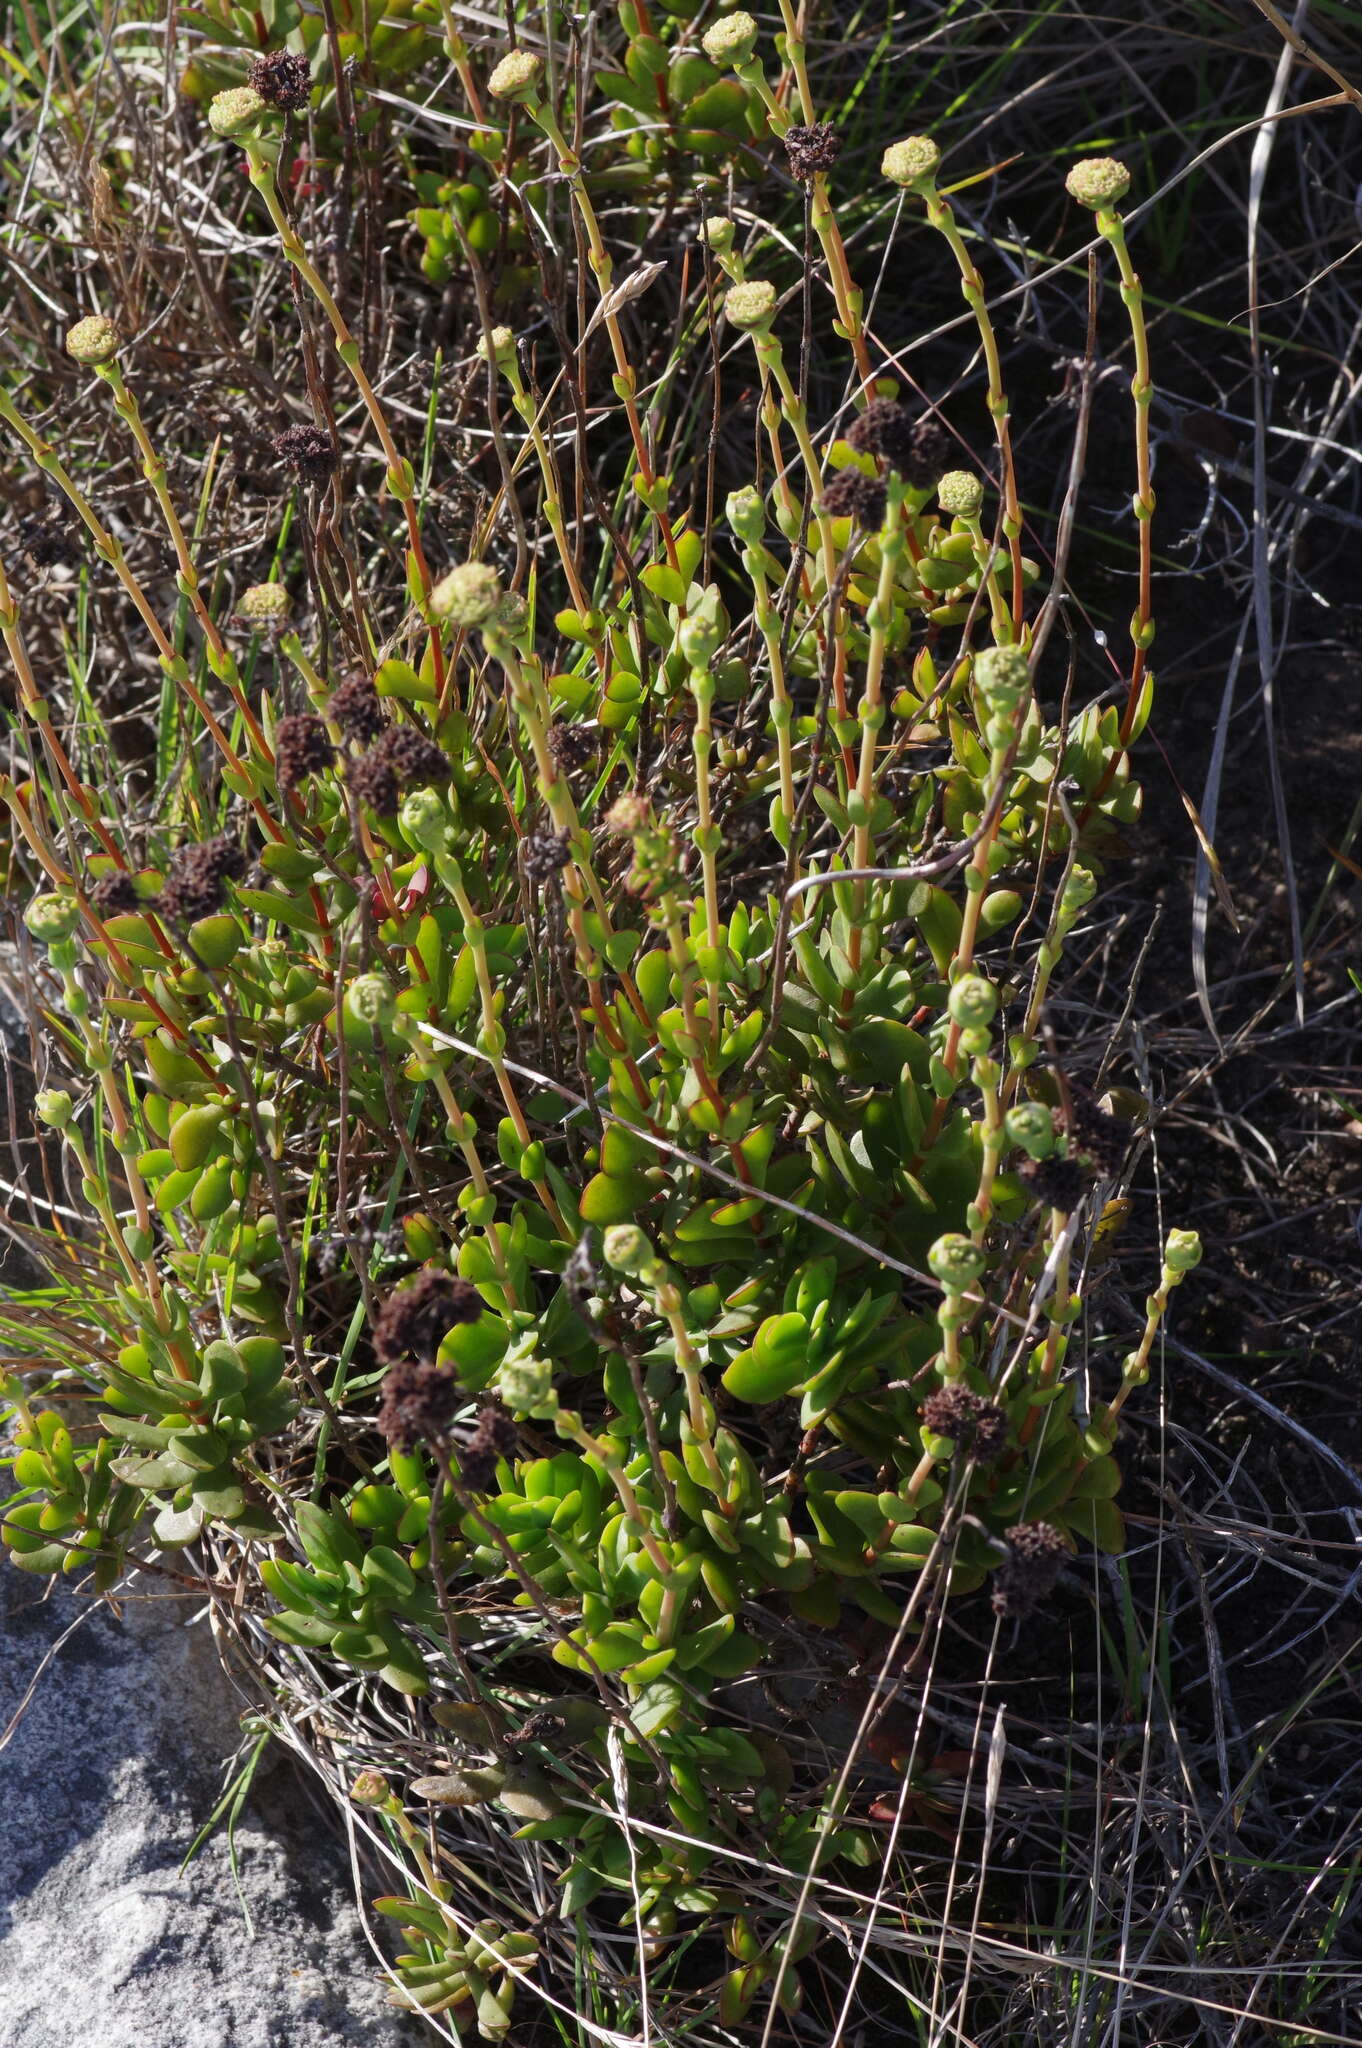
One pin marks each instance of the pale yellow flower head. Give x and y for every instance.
(732, 40)
(235, 113)
(468, 595)
(912, 162)
(93, 340)
(1099, 181)
(751, 305)
(264, 604)
(960, 492)
(517, 77)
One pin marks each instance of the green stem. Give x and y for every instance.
(871, 712)
(706, 833)
(764, 612)
(941, 217)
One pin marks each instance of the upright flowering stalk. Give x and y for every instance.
(518, 79)
(1098, 182)
(747, 517)
(718, 235)
(1002, 682)
(502, 355)
(871, 712)
(913, 164)
(751, 308)
(812, 148)
(471, 597)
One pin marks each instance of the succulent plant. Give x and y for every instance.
(719, 1183)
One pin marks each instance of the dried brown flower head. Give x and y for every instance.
(372, 780)
(308, 451)
(115, 895)
(197, 875)
(500, 1431)
(415, 760)
(301, 747)
(413, 1321)
(283, 80)
(930, 454)
(884, 429)
(812, 148)
(478, 1465)
(545, 854)
(45, 544)
(1036, 1554)
(851, 494)
(975, 1424)
(920, 450)
(495, 1437)
(357, 708)
(572, 746)
(418, 1404)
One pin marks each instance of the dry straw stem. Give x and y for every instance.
(40, 712)
(111, 550)
(401, 480)
(154, 469)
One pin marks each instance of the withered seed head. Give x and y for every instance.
(545, 854)
(572, 746)
(495, 1437)
(499, 1430)
(972, 1422)
(282, 80)
(929, 455)
(372, 780)
(301, 747)
(478, 1464)
(357, 708)
(307, 451)
(115, 895)
(413, 1321)
(415, 760)
(45, 544)
(811, 148)
(196, 878)
(1036, 1554)
(418, 1404)
(885, 429)
(851, 494)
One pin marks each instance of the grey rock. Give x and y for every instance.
(111, 1770)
